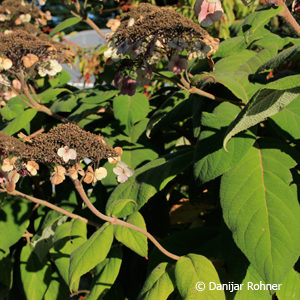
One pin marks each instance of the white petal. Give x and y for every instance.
(66, 157)
(72, 154)
(100, 173)
(61, 152)
(129, 172)
(122, 178)
(118, 170)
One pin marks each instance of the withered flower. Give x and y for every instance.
(32, 167)
(92, 176)
(8, 164)
(29, 60)
(13, 178)
(58, 176)
(5, 63)
(66, 153)
(75, 170)
(89, 175)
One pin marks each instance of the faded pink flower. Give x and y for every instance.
(66, 153)
(123, 171)
(177, 64)
(208, 11)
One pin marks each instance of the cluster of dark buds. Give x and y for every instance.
(67, 150)
(147, 34)
(18, 13)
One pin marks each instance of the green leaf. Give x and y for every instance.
(13, 220)
(123, 207)
(99, 96)
(256, 22)
(91, 253)
(231, 46)
(51, 94)
(130, 109)
(33, 274)
(289, 119)
(6, 274)
(271, 99)
(283, 57)
(290, 288)
(57, 289)
(211, 160)
(261, 209)
(60, 79)
(65, 104)
(270, 40)
(233, 72)
(83, 111)
(247, 291)
(20, 121)
(150, 179)
(65, 24)
(67, 238)
(175, 108)
(193, 272)
(134, 240)
(13, 108)
(159, 284)
(43, 239)
(106, 273)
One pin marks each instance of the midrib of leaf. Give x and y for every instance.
(292, 113)
(265, 198)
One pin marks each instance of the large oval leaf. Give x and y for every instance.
(106, 273)
(261, 209)
(159, 284)
(67, 238)
(133, 239)
(282, 57)
(289, 119)
(130, 109)
(33, 274)
(233, 71)
(211, 160)
(13, 222)
(91, 253)
(22, 120)
(290, 288)
(194, 277)
(247, 290)
(271, 99)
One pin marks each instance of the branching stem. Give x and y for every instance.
(115, 221)
(90, 22)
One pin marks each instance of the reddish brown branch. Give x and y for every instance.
(50, 205)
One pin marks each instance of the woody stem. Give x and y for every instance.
(90, 23)
(286, 14)
(50, 205)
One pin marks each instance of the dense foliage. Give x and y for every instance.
(178, 170)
